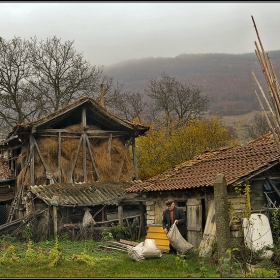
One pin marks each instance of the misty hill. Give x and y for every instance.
(226, 78)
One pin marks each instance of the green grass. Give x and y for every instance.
(103, 263)
(85, 259)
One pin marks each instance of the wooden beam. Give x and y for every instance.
(134, 159)
(92, 159)
(76, 157)
(31, 151)
(109, 148)
(59, 157)
(41, 157)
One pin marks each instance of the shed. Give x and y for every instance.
(191, 183)
(59, 153)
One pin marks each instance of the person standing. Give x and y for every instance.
(174, 214)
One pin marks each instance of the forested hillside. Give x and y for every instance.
(226, 78)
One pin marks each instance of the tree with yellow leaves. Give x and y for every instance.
(163, 148)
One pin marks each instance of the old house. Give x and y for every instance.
(190, 184)
(72, 167)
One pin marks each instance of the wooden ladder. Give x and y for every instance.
(15, 203)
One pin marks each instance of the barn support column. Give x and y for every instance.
(54, 221)
(120, 213)
(142, 224)
(134, 158)
(221, 215)
(31, 151)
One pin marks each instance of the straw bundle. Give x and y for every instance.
(117, 167)
(272, 97)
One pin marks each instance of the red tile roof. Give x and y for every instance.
(236, 163)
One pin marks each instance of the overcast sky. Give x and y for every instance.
(111, 31)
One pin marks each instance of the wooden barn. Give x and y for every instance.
(191, 185)
(7, 188)
(71, 169)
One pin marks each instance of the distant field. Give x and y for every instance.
(240, 121)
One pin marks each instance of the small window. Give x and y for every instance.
(181, 204)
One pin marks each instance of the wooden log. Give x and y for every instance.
(128, 242)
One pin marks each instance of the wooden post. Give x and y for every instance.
(54, 221)
(134, 159)
(32, 169)
(142, 224)
(84, 122)
(221, 215)
(120, 213)
(59, 157)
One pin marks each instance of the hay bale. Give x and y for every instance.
(119, 168)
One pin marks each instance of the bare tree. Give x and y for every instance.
(174, 102)
(129, 105)
(258, 126)
(61, 74)
(15, 71)
(37, 78)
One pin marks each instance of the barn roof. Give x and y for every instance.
(83, 194)
(71, 114)
(236, 163)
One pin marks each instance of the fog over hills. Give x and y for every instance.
(226, 78)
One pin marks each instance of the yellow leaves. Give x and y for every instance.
(163, 148)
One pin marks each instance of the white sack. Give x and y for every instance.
(88, 219)
(135, 252)
(175, 238)
(150, 249)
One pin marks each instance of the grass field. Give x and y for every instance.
(86, 259)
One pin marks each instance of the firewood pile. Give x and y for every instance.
(272, 96)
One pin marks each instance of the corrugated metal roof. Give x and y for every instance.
(236, 163)
(83, 194)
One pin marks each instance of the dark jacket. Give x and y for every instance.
(179, 215)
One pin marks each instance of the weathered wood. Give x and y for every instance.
(76, 157)
(128, 242)
(59, 157)
(31, 151)
(54, 221)
(112, 248)
(269, 123)
(209, 234)
(92, 158)
(42, 160)
(120, 214)
(96, 131)
(109, 147)
(194, 221)
(273, 186)
(134, 159)
(84, 158)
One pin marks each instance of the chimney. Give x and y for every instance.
(102, 95)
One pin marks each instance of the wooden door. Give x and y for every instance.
(194, 221)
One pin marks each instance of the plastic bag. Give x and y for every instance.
(178, 242)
